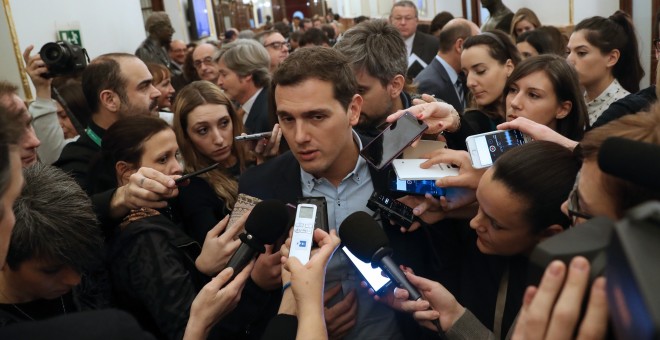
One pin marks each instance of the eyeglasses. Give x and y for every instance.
(278, 45)
(574, 203)
(206, 61)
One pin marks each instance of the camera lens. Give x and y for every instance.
(52, 53)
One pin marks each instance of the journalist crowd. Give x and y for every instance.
(103, 236)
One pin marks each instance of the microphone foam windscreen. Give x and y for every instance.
(630, 160)
(362, 235)
(267, 221)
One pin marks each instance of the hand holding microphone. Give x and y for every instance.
(365, 238)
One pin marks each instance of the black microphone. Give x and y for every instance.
(265, 224)
(634, 161)
(364, 237)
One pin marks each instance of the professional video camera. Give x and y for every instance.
(63, 58)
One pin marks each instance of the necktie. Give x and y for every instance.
(240, 113)
(460, 88)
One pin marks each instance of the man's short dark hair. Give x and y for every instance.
(104, 73)
(320, 63)
(54, 221)
(314, 36)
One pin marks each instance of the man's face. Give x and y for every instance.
(42, 279)
(164, 33)
(377, 102)
(29, 142)
(317, 127)
(307, 25)
(7, 218)
(203, 61)
(141, 96)
(178, 51)
(230, 82)
(277, 48)
(405, 20)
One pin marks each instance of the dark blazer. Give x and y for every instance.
(435, 80)
(425, 46)
(257, 120)
(279, 178)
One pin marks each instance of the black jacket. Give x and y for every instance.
(153, 274)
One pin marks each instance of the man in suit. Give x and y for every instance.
(444, 78)
(421, 47)
(243, 74)
(316, 102)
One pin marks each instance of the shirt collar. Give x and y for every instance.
(409, 43)
(357, 174)
(247, 106)
(453, 76)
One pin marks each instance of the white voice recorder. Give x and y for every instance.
(303, 232)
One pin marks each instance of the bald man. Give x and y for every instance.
(443, 77)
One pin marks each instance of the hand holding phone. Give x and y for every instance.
(254, 136)
(393, 140)
(372, 276)
(485, 148)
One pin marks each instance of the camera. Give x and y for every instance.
(63, 58)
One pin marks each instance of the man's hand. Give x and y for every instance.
(214, 302)
(341, 317)
(552, 310)
(36, 68)
(438, 116)
(147, 188)
(267, 270)
(219, 246)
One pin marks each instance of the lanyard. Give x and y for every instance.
(93, 136)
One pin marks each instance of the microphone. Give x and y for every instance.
(364, 237)
(634, 161)
(265, 224)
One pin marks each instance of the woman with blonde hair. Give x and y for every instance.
(524, 20)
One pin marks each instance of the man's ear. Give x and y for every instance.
(110, 100)
(354, 108)
(458, 45)
(395, 86)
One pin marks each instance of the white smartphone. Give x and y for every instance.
(303, 232)
(485, 148)
(408, 169)
(373, 276)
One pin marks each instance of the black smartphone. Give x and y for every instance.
(255, 136)
(372, 276)
(321, 211)
(394, 210)
(196, 173)
(393, 140)
(415, 187)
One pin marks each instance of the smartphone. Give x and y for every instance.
(372, 276)
(393, 140)
(415, 187)
(303, 232)
(485, 148)
(254, 136)
(394, 210)
(321, 211)
(196, 173)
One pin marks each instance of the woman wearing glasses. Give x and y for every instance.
(605, 54)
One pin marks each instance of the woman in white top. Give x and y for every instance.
(605, 54)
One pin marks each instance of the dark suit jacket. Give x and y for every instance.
(279, 178)
(435, 80)
(425, 46)
(257, 120)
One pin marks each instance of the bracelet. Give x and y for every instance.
(286, 285)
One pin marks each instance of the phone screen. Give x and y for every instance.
(373, 275)
(416, 187)
(391, 142)
(492, 146)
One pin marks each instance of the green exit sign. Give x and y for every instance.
(71, 36)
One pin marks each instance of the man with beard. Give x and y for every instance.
(116, 86)
(378, 57)
(154, 48)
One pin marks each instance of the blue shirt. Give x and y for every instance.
(374, 320)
